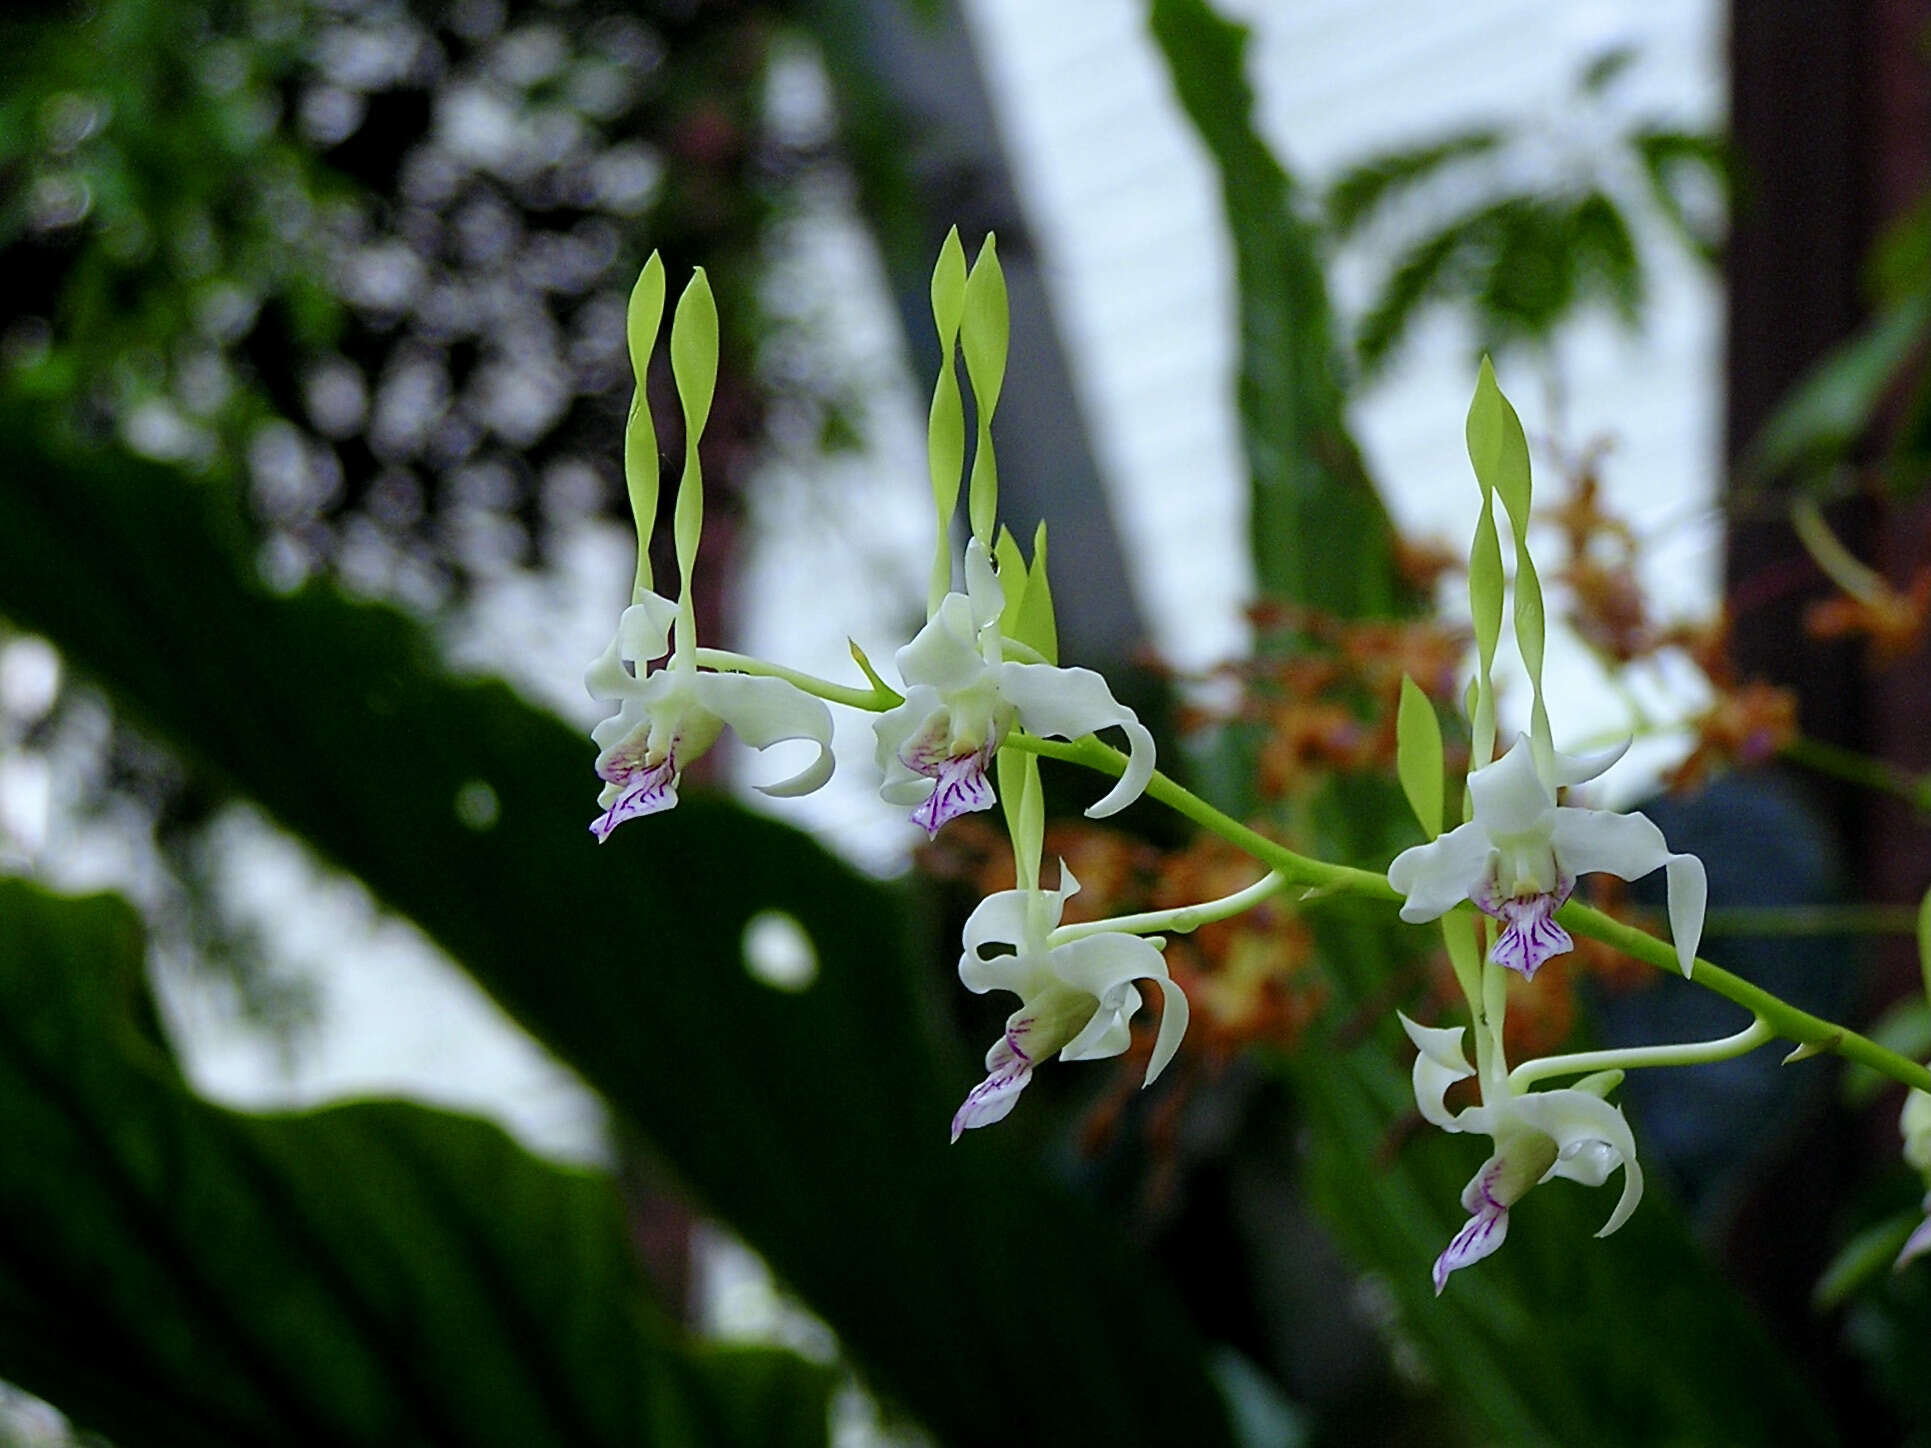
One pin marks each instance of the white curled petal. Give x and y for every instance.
(983, 590)
(645, 628)
(1107, 1031)
(767, 711)
(1174, 1016)
(999, 919)
(1573, 769)
(1100, 964)
(1139, 771)
(1592, 1138)
(945, 653)
(1510, 798)
(1441, 874)
(607, 678)
(1689, 894)
(1072, 703)
(1627, 846)
(1439, 1064)
(643, 634)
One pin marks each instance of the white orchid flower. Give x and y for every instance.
(1915, 1123)
(1518, 858)
(962, 695)
(1571, 1133)
(671, 715)
(1076, 998)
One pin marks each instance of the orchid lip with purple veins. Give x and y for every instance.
(962, 696)
(1519, 856)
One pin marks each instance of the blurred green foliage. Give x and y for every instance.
(183, 1274)
(1529, 225)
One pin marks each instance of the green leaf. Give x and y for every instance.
(1690, 179)
(1364, 188)
(967, 1285)
(645, 315)
(1013, 581)
(1320, 534)
(1863, 1259)
(1498, 450)
(1036, 627)
(1430, 268)
(1836, 401)
(984, 337)
(174, 1273)
(1418, 756)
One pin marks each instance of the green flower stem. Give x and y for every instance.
(1317, 876)
(1786, 1020)
(1180, 920)
(1320, 878)
(1847, 764)
(1687, 1053)
(876, 699)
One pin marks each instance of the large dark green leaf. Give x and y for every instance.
(814, 1123)
(374, 1274)
(1321, 537)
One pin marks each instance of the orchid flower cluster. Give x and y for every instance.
(981, 698)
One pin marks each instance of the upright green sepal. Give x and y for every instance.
(1418, 756)
(983, 337)
(1036, 627)
(1485, 587)
(693, 363)
(945, 423)
(641, 324)
(1498, 449)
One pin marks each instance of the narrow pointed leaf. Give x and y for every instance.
(1418, 744)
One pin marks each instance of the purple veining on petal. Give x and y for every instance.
(645, 791)
(1480, 1236)
(993, 1098)
(962, 788)
(1529, 936)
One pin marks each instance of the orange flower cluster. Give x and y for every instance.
(1331, 709)
(1893, 620)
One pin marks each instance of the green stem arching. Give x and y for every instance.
(875, 699)
(1322, 878)
(1181, 919)
(1686, 1053)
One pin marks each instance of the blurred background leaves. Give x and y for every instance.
(322, 304)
